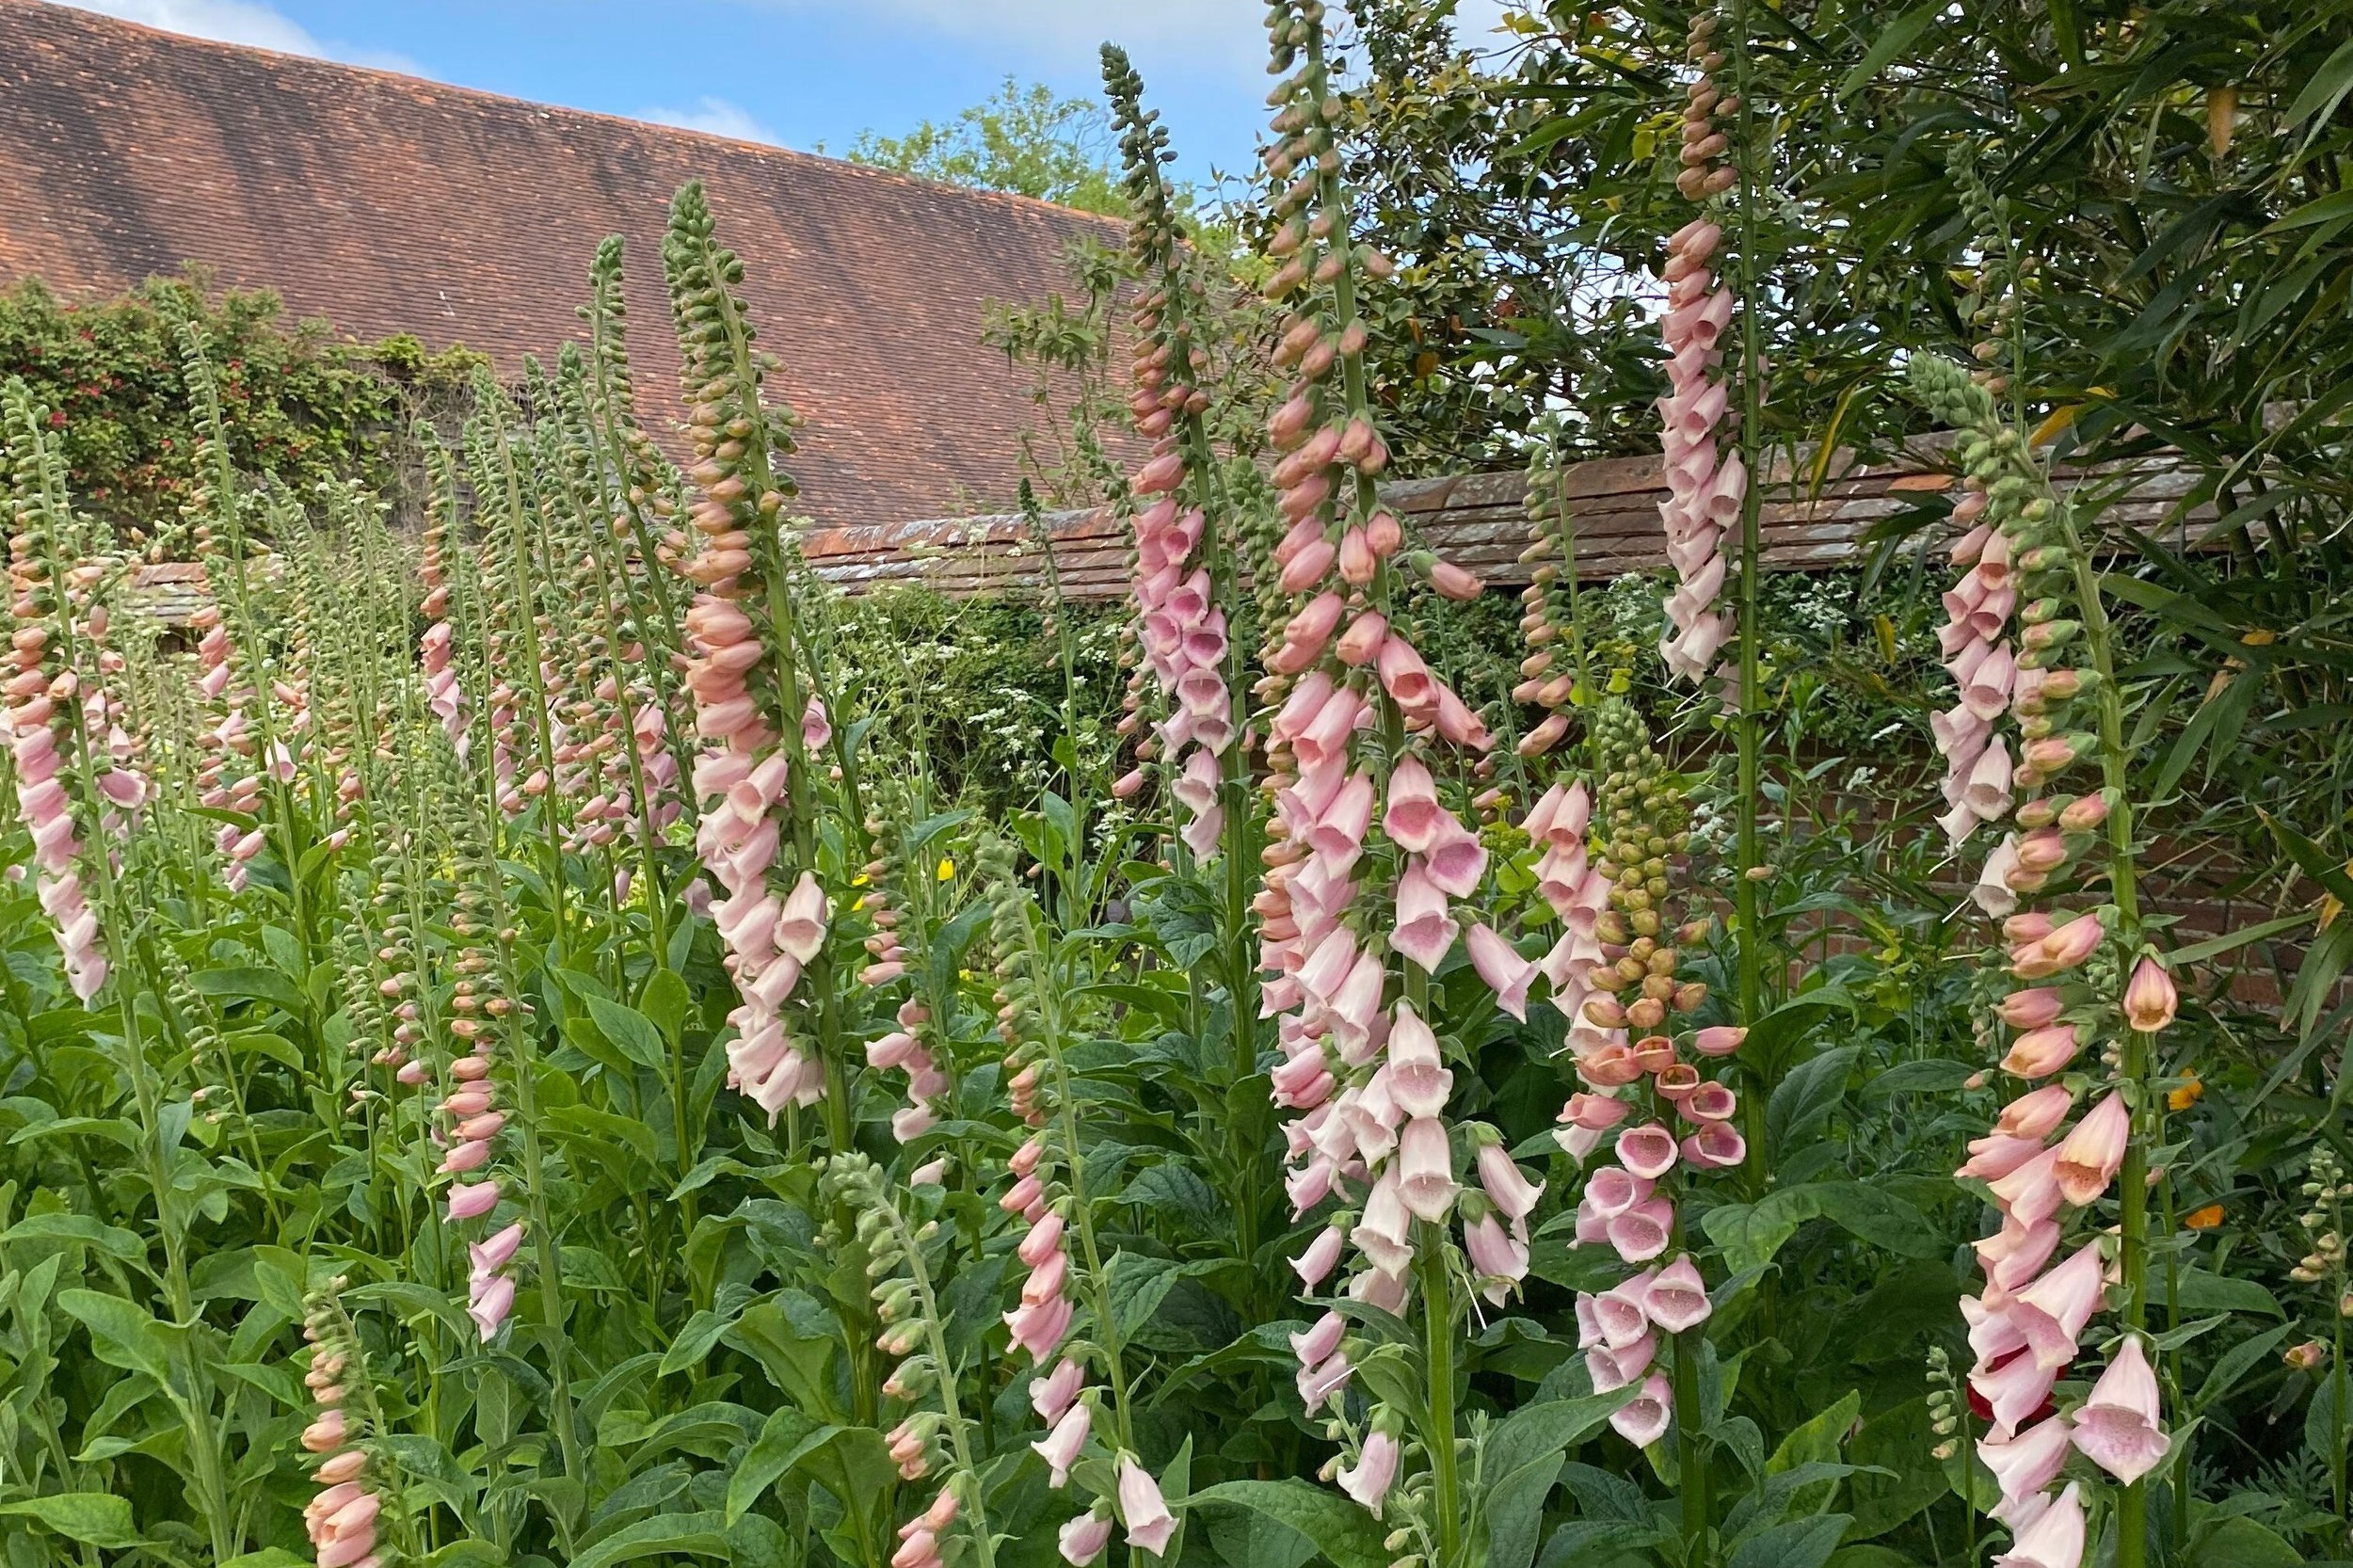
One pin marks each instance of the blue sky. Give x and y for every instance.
(797, 72)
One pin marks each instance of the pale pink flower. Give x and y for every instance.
(1647, 1151)
(1677, 1300)
(1644, 1420)
(1141, 1506)
(1083, 1539)
(1642, 1232)
(2052, 1311)
(2054, 1540)
(2027, 1462)
(1425, 929)
(2117, 1428)
(1500, 1175)
(1367, 1480)
(2150, 999)
(2089, 1156)
(1425, 1182)
(1501, 967)
(1061, 1447)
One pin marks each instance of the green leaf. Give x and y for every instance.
(2197, 1291)
(1343, 1532)
(1893, 40)
(1523, 1454)
(683, 1534)
(694, 1340)
(1797, 1544)
(2327, 1422)
(1803, 1101)
(2242, 1543)
(80, 1229)
(121, 1332)
(631, 1031)
(1876, 1215)
(1138, 1284)
(1936, 1076)
(268, 1557)
(2325, 91)
(95, 1519)
(2236, 1362)
(253, 985)
(785, 1437)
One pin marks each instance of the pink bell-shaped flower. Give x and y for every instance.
(2117, 1429)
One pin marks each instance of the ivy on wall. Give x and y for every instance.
(303, 402)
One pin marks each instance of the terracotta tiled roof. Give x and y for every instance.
(1808, 522)
(390, 204)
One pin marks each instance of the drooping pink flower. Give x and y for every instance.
(2028, 1463)
(1315, 1264)
(1643, 1232)
(2089, 1156)
(2150, 1000)
(2118, 1427)
(1144, 1512)
(2052, 1311)
(1061, 1447)
(1426, 928)
(1367, 1480)
(1083, 1539)
(1426, 1183)
(1644, 1420)
(1501, 967)
(1677, 1300)
(1505, 1184)
(2013, 1389)
(2054, 1540)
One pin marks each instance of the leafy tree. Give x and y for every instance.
(1024, 140)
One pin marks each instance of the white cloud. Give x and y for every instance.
(716, 115)
(246, 22)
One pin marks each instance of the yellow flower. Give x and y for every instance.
(2188, 1094)
(859, 880)
(947, 870)
(2203, 1219)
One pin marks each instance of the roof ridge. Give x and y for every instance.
(103, 19)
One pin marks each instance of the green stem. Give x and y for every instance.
(1438, 1309)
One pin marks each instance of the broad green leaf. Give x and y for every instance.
(1876, 1215)
(694, 1340)
(665, 1535)
(631, 1031)
(2197, 1291)
(253, 985)
(782, 1440)
(122, 1333)
(95, 1518)
(1524, 1455)
(1795, 1544)
(1346, 1535)
(1803, 1101)
(82, 1230)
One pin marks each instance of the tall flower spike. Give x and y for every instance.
(52, 578)
(2067, 973)
(1049, 1195)
(934, 1433)
(1367, 842)
(1183, 563)
(1706, 482)
(754, 704)
(347, 1518)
